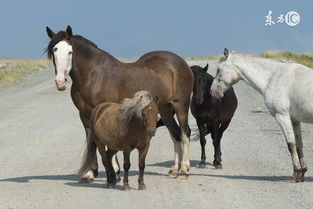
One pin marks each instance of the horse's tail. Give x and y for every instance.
(89, 156)
(196, 134)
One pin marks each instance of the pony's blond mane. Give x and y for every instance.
(132, 107)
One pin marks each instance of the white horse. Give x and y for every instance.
(287, 89)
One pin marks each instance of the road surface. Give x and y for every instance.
(42, 143)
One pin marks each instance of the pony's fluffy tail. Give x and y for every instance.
(89, 157)
(196, 134)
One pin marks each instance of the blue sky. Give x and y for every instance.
(130, 28)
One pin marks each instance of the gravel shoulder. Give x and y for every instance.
(42, 143)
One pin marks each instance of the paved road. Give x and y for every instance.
(42, 143)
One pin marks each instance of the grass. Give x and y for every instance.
(12, 70)
(201, 58)
(304, 59)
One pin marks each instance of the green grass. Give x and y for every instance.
(304, 59)
(201, 58)
(12, 70)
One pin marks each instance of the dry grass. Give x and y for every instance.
(304, 59)
(200, 58)
(12, 70)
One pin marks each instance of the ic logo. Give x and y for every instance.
(292, 18)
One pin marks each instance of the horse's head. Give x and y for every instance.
(201, 83)
(150, 116)
(60, 50)
(226, 76)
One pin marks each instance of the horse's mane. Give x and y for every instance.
(62, 36)
(132, 108)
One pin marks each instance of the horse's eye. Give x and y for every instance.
(150, 108)
(69, 53)
(55, 49)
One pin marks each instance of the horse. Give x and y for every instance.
(122, 127)
(98, 77)
(287, 89)
(212, 115)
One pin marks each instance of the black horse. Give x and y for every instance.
(212, 115)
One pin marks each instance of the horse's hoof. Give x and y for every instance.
(85, 180)
(218, 166)
(202, 165)
(111, 185)
(173, 173)
(126, 187)
(293, 180)
(95, 173)
(142, 187)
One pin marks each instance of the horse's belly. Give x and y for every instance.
(302, 113)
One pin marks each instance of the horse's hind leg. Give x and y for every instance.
(112, 177)
(126, 169)
(167, 117)
(94, 169)
(116, 167)
(105, 161)
(181, 110)
(286, 126)
(200, 125)
(297, 129)
(142, 161)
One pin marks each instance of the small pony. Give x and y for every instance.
(122, 127)
(212, 115)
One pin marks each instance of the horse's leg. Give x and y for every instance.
(286, 126)
(91, 174)
(217, 143)
(110, 153)
(200, 125)
(105, 161)
(116, 167)
(181, 109)
(297, 129)
(167, 117)
(142, 160)
(126, 169)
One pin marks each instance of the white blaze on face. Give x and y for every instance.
(63, 60)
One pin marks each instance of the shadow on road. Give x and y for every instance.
(169, 164)
(70, 177)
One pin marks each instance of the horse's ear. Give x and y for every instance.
(68, 32)
(226, 53)
(50, 33)
(205, 69)
(155, 99)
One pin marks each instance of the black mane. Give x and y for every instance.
(61, 36)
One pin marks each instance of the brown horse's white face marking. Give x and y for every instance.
(62, 53)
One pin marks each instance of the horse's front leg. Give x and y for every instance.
(200, 125)
(126, 169)
(142, 160)
(217, 146)
(285, 123)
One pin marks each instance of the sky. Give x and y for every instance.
(130, 28)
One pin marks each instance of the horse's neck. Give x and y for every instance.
(85, 59)
(254, 72)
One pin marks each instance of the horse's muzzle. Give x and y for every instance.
(151, 133)
(61, 85)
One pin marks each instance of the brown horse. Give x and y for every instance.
(122, 127)
(98, 77)
(212, 115)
